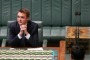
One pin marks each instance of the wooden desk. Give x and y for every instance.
(84, 36)
(61, 50)
(84, 32)
(54, 48)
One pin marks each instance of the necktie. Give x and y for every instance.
(23, 40)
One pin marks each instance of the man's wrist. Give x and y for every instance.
(19, 36)
(27, 36)
(20, 33)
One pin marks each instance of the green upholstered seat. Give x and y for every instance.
(58, 33)
(46, 32)
(55, 15)
(55, 33)
(3, 33)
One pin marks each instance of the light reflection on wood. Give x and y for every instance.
(84, 32)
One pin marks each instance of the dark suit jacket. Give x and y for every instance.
(13, 39)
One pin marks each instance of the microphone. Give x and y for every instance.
(77, 50)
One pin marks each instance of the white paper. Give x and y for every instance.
(40, 48)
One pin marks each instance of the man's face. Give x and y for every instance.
(22, 18)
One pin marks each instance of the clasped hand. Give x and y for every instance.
(23, 29)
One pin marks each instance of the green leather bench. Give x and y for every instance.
(5, 37)
(55, 15)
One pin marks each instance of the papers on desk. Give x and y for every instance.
(28, 54)
(35, 48)
(40, 48)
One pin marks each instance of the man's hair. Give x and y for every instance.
(26, 11)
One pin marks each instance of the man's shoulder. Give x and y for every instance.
(33, 23)
(14, 23)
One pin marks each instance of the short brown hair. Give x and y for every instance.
(26, 11)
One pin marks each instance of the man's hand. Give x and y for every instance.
(23, 29)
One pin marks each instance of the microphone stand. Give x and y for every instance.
(77, 51)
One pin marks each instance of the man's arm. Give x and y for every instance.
(13, 38)
(33, 40)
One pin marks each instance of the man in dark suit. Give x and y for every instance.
(23, 32)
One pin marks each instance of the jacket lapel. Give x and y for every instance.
(29, 26)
